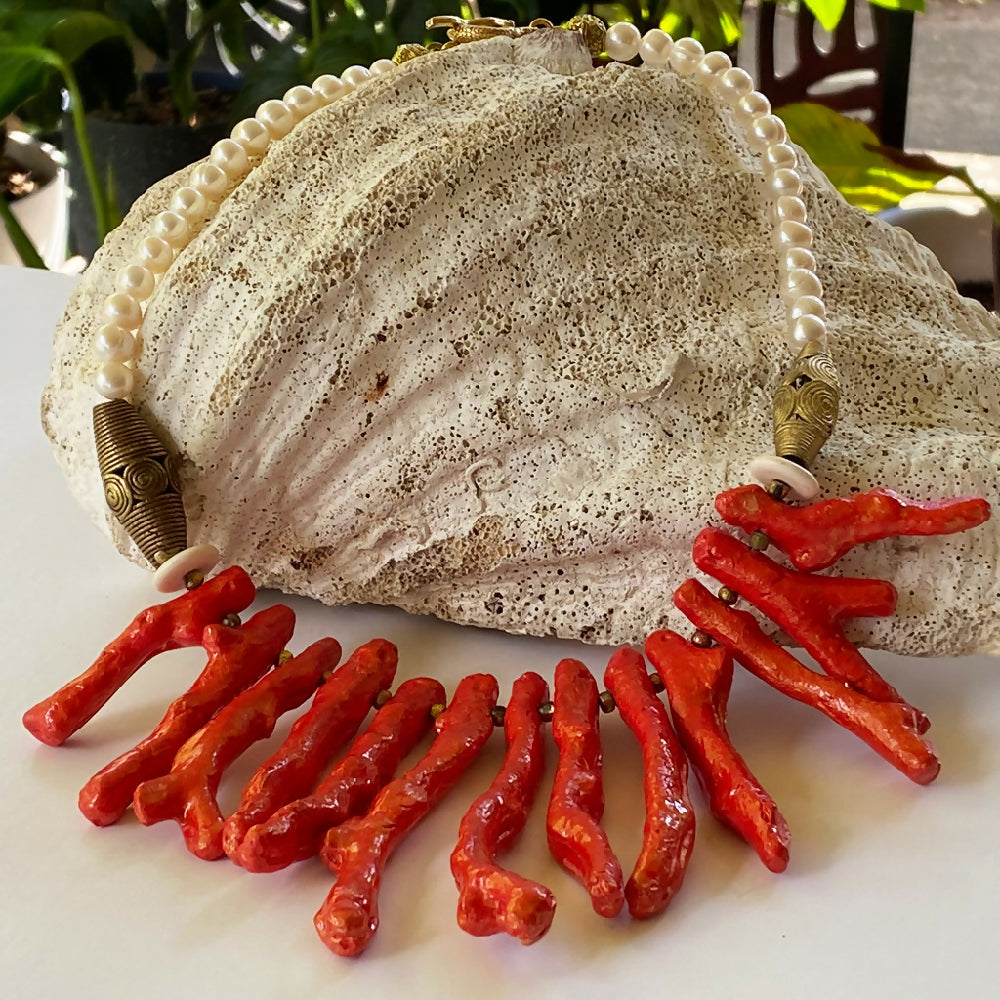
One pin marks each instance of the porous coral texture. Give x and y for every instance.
(485, 338)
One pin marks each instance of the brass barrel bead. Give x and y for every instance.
(777, 490)
(702, 640)
(233, 621)
(805, 405)
(546, 710)
(437, 709)
(607, 701)
(497, 713)
(759, 541)
(657, 681)
(284, 656)
(194, 579)
(382, 698)
(728, 596)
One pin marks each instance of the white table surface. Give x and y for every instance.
(893, 890)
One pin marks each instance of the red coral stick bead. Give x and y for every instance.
(358, 850)
(493, 899)
(809, 608)
(668, 832)
(816, 536)
(188, 793)
(891, 729)
(573, 821)
(171, 625)
(237, 658)
(295, 831)
(337, 712)
(697, 683)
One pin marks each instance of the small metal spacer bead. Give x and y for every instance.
(657, 681)
(607, 701)
(283, 657)
(777, 489)
(194, 579)
(759, 541)
(546, 710)
(702, 640)
(232, 620)
(437, 709)
(497, 713)
(728, 596)
(382, 697)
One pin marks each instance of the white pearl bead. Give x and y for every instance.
(171, 227)
(122, 310)
(382, 66)
(789, 208)
(807, 305)
(155, 253)
(302, 100)
(795, 257)
(277, 117)
(655, 47)
(354, 76)
(622, 41)
(712, 66)
(685, 55)
(754, 104)
(766, 130)
(806, 328)
(189, 204)
(135, 280)
(793, 234)
(800, 282)
(112, 343)
(252, 136)
(170, 577)
(211, 180)
(780, 155)
(231, 158)
(784, 182)
(114, 380)
(800, 481)
(328, 88)
(735, 84)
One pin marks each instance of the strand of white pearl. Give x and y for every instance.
(229, 163)
(801, 290)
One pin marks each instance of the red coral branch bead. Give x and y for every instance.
(337, 711)
(697, 682)
(188, 793)
(816, 536)
(668, 833)
(171, 625)
(295, 831)
(891, 729)
(573, 821)
(237, 658)
(493, 899)
(809, 608)
(358, 850)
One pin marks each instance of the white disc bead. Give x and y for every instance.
(685, 54)
(354, 76)
(752, 105)
(171, 576)
(807, 305)
(780, 155)
(211, 180)
(155, 253)
(712, 67)
(622, 41)
(735, 84)
(783, 182)
(171, 228)
(654, 49)
(122, 310)
(252, 136)
(302, 100)
(794, 234)
(805, 329)
(800, 481)
(329, 88)
(135, 280)
(231, 158)
(190, 204)
(277, 117)
(112, 343)
(114, 380)
(382, 66)
(800, 281)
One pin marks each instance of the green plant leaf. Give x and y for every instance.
(19, 239)
(72, 36)
(146, 21)
(847, 151)
(914, 5)
(827, 12)
(24, 75)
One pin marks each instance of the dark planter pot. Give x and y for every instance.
(136, 156)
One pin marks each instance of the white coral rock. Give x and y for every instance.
(484, 339)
